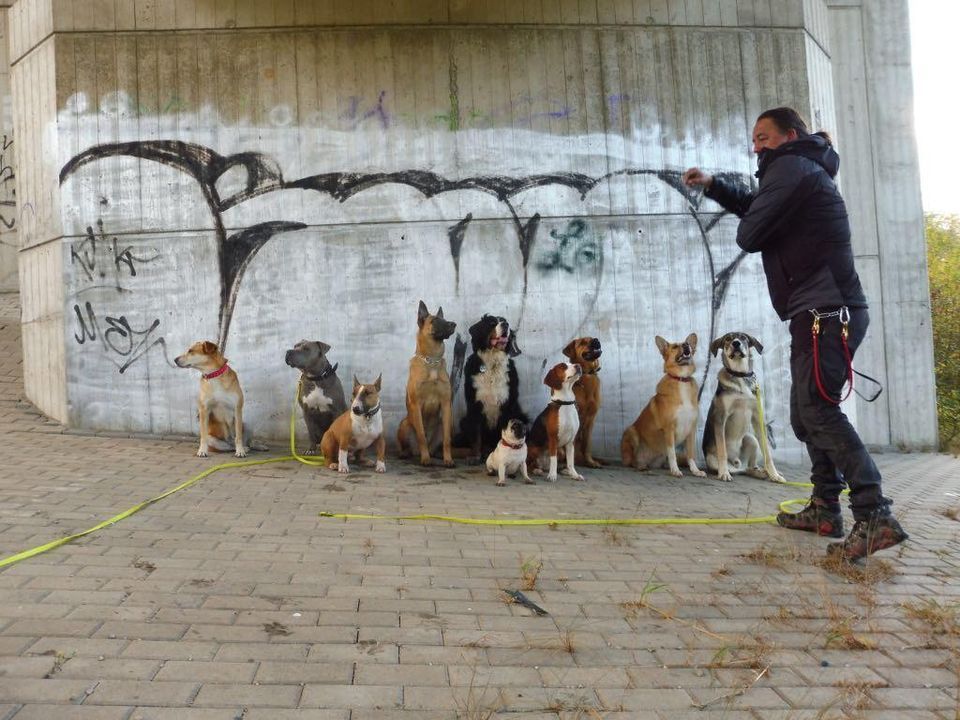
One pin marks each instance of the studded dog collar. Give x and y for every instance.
(216, 373)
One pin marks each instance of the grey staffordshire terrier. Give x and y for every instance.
(321, 394)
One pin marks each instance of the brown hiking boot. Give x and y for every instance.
(816, 517)
(867, 537)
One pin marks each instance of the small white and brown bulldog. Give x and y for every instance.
(730, 437)
(510, 454)
(356, 429)
(556, 427)
(220, 401)
(320, 394)
(670, 416)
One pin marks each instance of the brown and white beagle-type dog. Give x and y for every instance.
(359, 427)
(220, 402)
(586, 352)
(669, 417)
(556, 427)
(429, 394)
(730, 436)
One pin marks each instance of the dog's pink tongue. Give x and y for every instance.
(500, 342)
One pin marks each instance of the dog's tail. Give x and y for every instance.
(629, 446)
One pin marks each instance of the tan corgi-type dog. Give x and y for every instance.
(359, 427)
(670, 416)
(220, 402)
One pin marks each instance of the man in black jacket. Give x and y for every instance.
(798, 222)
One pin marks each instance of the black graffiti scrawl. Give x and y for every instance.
(263, 175)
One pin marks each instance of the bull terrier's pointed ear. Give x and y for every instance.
(333, 369)
(568, 350)
(422, 313)
(662, 345)
(692, 342)
(440, 312)
(377, 383)
(755, 344)
(356, 384)
(324, 348)
(716, 345)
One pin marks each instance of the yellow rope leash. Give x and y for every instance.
(320, 461)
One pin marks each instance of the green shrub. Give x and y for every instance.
(943, 263)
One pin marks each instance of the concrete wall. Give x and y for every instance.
(316, 179)
(8, 197)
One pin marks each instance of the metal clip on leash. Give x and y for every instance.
(843, 314)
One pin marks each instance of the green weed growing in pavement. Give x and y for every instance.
(530, 571)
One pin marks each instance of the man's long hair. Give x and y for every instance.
(787, 119)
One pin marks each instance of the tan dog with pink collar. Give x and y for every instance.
(220, 402)
(671, 415)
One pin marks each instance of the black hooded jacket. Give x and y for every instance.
(798, 222)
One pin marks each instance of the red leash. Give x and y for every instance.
(844, 315)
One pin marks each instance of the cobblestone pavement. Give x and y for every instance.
(233, 599)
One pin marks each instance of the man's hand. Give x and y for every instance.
(695, 176)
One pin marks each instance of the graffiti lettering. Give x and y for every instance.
(84, 254)
(120, 338)
(8, 188)
(573, 249)
(357, 118)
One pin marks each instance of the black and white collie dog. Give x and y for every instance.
(490, 386)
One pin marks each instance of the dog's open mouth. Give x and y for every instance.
(500, 343)
(591, 355)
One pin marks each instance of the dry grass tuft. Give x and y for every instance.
(872, 572)
(779, 556)
(750, 651)
(614, 537)
(939, 619)
(952, 512)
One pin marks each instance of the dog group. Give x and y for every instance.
(495, 426)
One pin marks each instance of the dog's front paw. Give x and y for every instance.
(202, 452)
(574, 474)
(449, 463)
(591, 463)
(381, 466)
(426, 461)
(343, 468)
(676, 472)
(697, 472)
(774, 476)
(551, 477)
(501, 483)
(241, 451)
(725, 476)
(530, 481)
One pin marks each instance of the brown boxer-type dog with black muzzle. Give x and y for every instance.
(586, 352)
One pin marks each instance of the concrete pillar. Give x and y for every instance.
(881, 183)
(312, 170)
